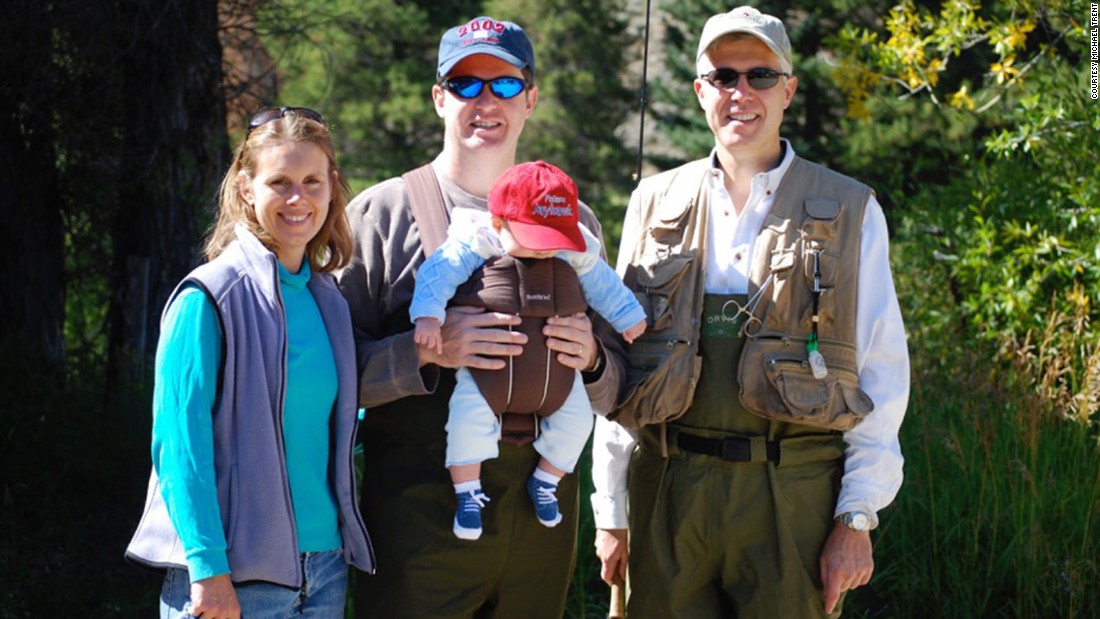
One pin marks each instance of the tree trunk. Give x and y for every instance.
(171, 91)
(32, 306)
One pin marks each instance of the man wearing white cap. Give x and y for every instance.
(484, 93)
(758, 437)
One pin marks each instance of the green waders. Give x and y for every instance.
(737, 533)
(518, 568)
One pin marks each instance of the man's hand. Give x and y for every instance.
(611, 548)
(846, 563)
(475, 338)
(215, 598)
(571, 337)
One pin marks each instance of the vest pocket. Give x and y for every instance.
(657, 282)
(663, 364)
(777, 383)
(661, 380)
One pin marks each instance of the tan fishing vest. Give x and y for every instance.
(814, 224)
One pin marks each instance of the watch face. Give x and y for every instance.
(859, 522)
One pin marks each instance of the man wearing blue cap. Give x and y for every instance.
(760, 438)
(485, 93)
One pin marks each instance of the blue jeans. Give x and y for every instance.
(321, 597)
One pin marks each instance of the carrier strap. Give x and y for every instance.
(429, 210)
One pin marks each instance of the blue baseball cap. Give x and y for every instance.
(485, 35)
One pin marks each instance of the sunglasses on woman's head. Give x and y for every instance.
(759, 78)
(468, 87)
(269, 114)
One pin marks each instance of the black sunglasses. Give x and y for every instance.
(469, 87)
(269, 114)
(759, 78)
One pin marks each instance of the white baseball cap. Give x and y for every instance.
(748, 20)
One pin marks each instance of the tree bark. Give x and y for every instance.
(171, 93)
(32, 306)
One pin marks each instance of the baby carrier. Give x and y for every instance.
(534, 384)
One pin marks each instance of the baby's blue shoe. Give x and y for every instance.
(468, 514)
(545, 500)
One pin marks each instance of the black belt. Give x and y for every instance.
(730, 449)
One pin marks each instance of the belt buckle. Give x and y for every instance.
(731, 450)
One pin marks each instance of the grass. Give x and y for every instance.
(73, 469)
(999, 511)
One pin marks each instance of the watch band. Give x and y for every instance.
(857, 521)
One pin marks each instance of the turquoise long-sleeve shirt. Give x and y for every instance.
(188, 357)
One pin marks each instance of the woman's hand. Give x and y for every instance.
(215, 598)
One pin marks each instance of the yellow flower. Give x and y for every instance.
(961, 99)
(1004, 71)
(913, 79)
(932, 71)
(1017, 34)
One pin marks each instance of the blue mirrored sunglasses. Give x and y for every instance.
(269, 114)
(468, 87)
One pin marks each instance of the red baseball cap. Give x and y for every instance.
(539, 202)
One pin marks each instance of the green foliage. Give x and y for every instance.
(86, 299)
(369, 66)
(583, 98)
(998, 269)
(997, 516)
(1016, 215)
(675, 107)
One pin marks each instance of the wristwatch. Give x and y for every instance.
(857, 521)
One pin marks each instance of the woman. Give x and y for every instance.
(251, 504)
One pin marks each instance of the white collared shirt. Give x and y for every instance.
(873, 460)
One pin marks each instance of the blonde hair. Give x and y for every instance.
(331, 248)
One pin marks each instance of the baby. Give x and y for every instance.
(535, 216)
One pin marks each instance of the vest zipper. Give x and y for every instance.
(279, 414)
(673, 341)
(354, 481)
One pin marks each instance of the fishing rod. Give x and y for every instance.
(642, 102)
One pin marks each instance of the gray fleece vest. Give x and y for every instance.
(249, 459)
